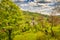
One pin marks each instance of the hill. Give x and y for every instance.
(16, 24)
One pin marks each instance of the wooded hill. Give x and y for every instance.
(16, 24)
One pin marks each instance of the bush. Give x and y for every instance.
(26, 36)
(31, 36)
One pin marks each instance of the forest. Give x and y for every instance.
(16, 24)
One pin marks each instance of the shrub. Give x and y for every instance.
(26, 36)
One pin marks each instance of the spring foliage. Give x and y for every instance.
(10, 17)
(20, 25)
(10, 14)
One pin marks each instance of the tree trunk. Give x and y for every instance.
(9, 34)
(52, 25)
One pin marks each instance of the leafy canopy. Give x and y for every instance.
(10, 14)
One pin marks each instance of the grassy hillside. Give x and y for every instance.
(40, 27)
(16, 24)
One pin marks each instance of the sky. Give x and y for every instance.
(36, 0)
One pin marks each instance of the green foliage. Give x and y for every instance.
(23, 25)
(33, 36)
(26, 36)
(10, 18)
(10, 14)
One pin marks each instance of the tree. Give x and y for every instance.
(54, 19)
(10, 17)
